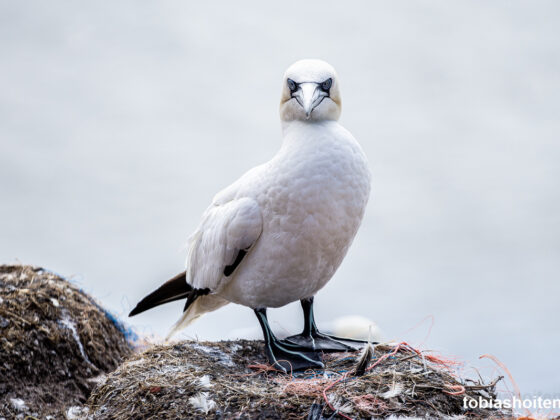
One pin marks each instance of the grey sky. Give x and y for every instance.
(118, 123)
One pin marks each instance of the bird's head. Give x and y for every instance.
(310, 92)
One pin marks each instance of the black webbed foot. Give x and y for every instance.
(311, 339)
(323, 342)
(286, 357)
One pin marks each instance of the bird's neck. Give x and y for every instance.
(298, 129)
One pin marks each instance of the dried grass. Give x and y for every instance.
(163, 382)
(54, 341)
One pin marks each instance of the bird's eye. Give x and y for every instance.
(326, 85)
(292, 85)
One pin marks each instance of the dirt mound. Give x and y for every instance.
(54, 341)
(230, 379)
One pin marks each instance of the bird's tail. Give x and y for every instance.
(201, 305)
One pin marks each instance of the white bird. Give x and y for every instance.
(279, 233)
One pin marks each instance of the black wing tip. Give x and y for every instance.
(139, 308)
(143, 305)
(174, 289)
(135, 311)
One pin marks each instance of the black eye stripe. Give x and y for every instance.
(325, 85)
(293, 86)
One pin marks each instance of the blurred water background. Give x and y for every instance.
(120, 121)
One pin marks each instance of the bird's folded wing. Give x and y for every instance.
(224, 237)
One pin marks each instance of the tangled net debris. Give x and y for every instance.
(57, 347)
(230, 379)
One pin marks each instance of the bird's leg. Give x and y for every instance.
(286, 357)
(314, 340)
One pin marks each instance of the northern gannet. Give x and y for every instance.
(279, 233)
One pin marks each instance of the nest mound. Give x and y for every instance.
(230, 379)
(54, 340)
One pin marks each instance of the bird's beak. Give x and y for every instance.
(309, 96)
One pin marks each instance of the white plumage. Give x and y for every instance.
(295, 215)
